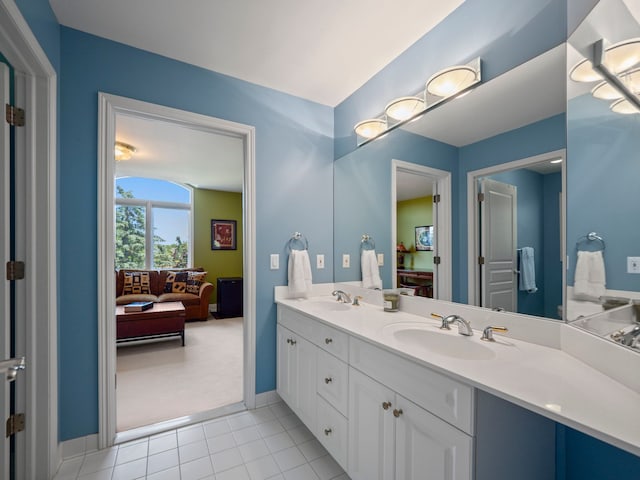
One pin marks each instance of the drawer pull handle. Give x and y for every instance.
(288, 340)
(328, 380)
(386, 405)
(327, 431)
(291, 341)
(397, 412)
(328, 340)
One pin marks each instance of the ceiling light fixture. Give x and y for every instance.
(442, 87)
(124, 151)
(624, 106)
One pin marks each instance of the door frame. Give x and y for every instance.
(37, 453)
(473, 269)
(108, 106)
(442, 286)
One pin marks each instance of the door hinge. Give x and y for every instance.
(436, 260)
(436, 198)
(15, 424)
(15, 270)
(15, 116)
(481, 197)
(480, 260)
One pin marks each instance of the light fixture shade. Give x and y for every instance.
(370, 128)
(605, 91)
(404, 108)
(623, 55)
(583, 72)
(624, 106)
(451, 80)
(124, 151)
(632, 79)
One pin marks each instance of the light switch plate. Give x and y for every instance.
(346, 260)
(274, 261)
(319, 262)
(633, 264)
(381, 259)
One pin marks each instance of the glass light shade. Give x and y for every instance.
(622, 56)
(557, 160)
(632, 79)
(624, 106)
(451, 80)
(370, 128)
(404, 107)
(605, 91)
(583, 72)
(123, 151)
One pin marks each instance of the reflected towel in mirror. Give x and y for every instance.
(527, 270)
(589, 282)
(299, 274)
(370, 270)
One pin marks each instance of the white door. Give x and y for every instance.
(498, 233)
(371, 451)
(428, 448)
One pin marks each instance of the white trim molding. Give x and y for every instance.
(37, 454)
(108, 107)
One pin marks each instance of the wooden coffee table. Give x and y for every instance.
(162, 320)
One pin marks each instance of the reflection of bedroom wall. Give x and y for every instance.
(208, 205)
(411, 214)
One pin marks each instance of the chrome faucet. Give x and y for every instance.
(464, 326)
(342, 296)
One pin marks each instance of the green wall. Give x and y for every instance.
(411, 214)
(216, 205)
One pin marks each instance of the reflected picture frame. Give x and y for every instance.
(223, 235)
(424, 238)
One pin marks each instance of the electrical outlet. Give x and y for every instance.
(274, 261)
(381, 259)
(633, 264)
(320, 261)
(346, 260)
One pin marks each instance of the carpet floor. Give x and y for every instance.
(161, 380)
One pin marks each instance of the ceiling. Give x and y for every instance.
(293, 46)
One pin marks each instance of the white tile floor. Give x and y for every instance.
(266, 443)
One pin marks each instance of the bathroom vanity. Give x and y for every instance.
(390, 395)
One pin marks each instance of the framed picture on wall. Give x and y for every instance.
(223, 234)
(424, 238)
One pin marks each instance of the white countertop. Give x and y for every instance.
(542, 379)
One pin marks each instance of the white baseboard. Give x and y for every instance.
(267, 398)
(77, 447)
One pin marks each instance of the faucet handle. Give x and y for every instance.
(356, 300)
(445, 323)
(487, 333)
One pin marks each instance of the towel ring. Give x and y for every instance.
(367, 243)
(298, 239)
(591, 237)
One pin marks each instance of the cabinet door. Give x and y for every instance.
(286, 369)
(305, 381)
(371, 451)
(428, 448)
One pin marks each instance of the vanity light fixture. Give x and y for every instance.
(442, 87)
(624, 106)
(124, 151)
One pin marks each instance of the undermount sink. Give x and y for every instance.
(431, 339)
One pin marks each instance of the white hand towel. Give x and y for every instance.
(527, 270)
(589, 282)
(370, 270)
(299, 274)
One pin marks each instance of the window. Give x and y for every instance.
(153, 224)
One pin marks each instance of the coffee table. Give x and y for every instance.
(164, 319)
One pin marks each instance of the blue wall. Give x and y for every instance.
(294, 177)
(503, 33)
(45, 27)
(605, 145)
(552, 264)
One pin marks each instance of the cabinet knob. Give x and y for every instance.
(386, 405)
(397, 412)
(328, 380)
(328, 340)
(288, 340)
(291, 341)
(327, 431)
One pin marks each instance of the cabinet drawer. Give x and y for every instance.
(333, 381)
(448, 399)
(332, 340)
(296, 322)
(332, 431)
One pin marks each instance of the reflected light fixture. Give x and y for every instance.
(605, 91)
(371, 128)
(557, 160)
(404, 108)
(624, 106)
(451, 80)
(124, 151)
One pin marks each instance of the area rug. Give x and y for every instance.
(161, 380)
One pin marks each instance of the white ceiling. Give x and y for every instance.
(313, 50)
(411, 185)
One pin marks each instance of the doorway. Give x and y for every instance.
(112, 108)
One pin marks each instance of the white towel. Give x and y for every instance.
(299, 274)
(370, 270)
(589, 282)
(527, 270)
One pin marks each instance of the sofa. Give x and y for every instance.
(138, 285)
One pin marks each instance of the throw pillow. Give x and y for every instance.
(136, 283)
(176, 282)
(194, 281)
